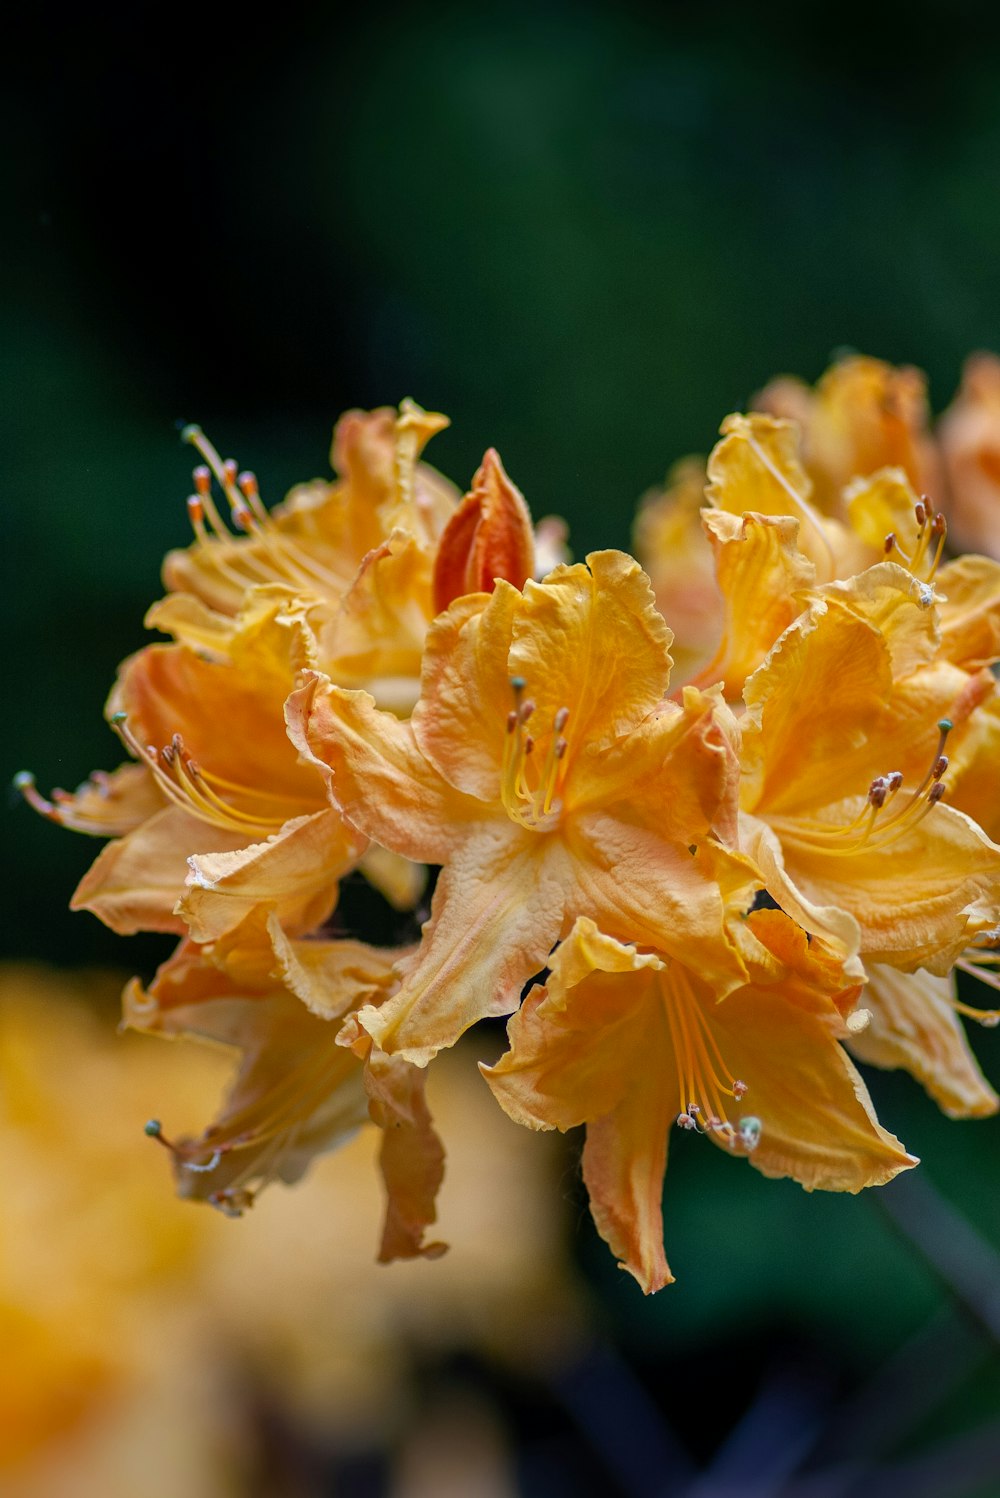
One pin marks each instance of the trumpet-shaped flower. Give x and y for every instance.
(544, 769)
(630, 1043)
(297, 1092)
(843, 756)
(969, 433)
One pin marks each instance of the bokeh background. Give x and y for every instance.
(585, 231)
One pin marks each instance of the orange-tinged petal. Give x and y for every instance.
(591, 639)
(627, 1043)
(972, 774)
(918, 898)
(863, 415)
(460, 721)
(969, 434)
(756, 467)
(896, 604)
(377, 774)
(411, 1158)
(970, 612)
(812, 709)
(837, 927)
(107, 805)
(817, 1121)
(498, 909)
(295, 873)
(672, 547)
(914, 1026)
(136, 882)
(488, 536)
(880, 505)
(760, 572)
(624, 1162)
(375, 639)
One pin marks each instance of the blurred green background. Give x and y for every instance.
(586, 232)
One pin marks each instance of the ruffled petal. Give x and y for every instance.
(914, 1027)
(377, 773)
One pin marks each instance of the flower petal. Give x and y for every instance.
(914, 1027)
(294, 873)
(497, 912)
(376, 772)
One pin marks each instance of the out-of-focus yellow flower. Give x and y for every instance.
(863, 414)
(544, 769)
(141, 1337)
(969, 433)
(630, 1043)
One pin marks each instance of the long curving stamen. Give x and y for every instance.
(191, 788)
(702, 1071)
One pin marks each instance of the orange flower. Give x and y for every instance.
(629, 1043)
(543, 767)
(843, 760)
(297, 1093)
(670, 543)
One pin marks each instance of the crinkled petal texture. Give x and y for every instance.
(825, 718)
(297, 1092)
(760, 573)
(615, 806)
(914, 1027)
(626, 1042)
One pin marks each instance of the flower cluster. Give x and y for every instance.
(698, 876)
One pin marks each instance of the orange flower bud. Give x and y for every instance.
(488, 536)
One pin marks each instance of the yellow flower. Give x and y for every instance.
(544, 769)
(629, 1043)
(297, 1093)
(223, 814)
(843, 759)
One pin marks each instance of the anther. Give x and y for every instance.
(685, 1121)
(202, 479)
(561, 719)
(894, 780)
(248, 483)
(877, 792)
(935, 793)
(740, 1089)
(561, 747)
(939, 766)
(511, 721)
(529, 743)
(231, 468)
(920, 510)
(526, 709)
(750, 1129)
(889, 542)
(195, 509)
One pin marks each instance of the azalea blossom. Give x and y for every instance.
(544, 769)
(297, 1092)
(631, 1043)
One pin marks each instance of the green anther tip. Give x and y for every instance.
(518, 683)
(191, 432)
(946, 725)
(23, 779)
(153, 1128)
(118, 717)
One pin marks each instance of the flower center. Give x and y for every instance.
(882, 820)
(928, 549)
(211, 798)
(704, 1078)
(260, 552)
(532, 779)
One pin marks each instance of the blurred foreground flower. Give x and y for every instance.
(141, 1338)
